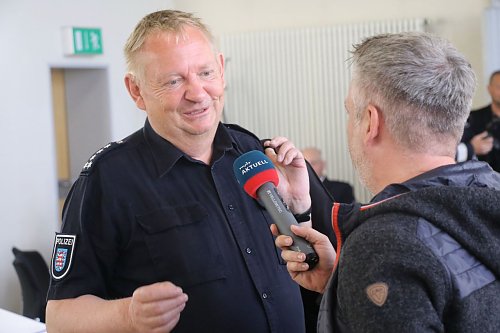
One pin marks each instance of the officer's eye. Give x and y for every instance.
(207, 73)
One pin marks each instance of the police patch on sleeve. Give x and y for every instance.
(62, 254)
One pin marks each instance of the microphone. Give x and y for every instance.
(256, 173)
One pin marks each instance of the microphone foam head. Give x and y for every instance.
(254, 169)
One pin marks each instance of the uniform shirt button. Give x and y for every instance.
(264, 295)
(230, 207)
(249, 250)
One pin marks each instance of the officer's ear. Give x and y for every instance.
(133, 86)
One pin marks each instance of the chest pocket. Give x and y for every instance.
(182, 245)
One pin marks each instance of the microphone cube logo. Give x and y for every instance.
(253, 169)
(249, 166)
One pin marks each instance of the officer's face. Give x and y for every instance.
(181, 85)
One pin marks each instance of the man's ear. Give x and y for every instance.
(373, 123)
(221, 64)
(134, 90)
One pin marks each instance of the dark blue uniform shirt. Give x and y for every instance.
(143, 211)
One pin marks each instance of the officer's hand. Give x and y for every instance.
(482, 143)
(156, 307)
(316, 278)
(294, 180)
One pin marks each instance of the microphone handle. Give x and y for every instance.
(268, 195)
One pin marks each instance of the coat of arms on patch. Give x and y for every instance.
(62, 255)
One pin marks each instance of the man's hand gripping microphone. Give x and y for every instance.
(256, 173)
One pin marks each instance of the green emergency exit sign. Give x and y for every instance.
(82, 41)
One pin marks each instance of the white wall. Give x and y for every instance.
(30, 42)
(491, 39)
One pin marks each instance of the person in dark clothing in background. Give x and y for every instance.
(423, 256)
(481, 136)
(341, 191)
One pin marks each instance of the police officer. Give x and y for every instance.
(157, 234)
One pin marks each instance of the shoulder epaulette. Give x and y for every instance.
(87, 167)
(241, 129)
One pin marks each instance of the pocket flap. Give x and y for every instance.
(168, 217)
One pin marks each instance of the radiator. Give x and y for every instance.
(293, 83)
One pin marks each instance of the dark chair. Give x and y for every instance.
(33, 274)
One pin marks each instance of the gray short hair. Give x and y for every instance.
(422, 84)
(173, 21)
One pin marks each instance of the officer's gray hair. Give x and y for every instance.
(173, 21)
(420, 82)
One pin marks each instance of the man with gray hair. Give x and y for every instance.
(423, 255)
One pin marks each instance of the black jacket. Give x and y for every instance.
(423, 257)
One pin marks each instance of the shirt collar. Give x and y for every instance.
(166, 155)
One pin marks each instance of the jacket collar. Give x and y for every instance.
(467, 173)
